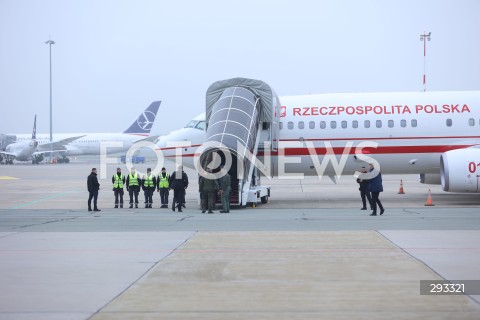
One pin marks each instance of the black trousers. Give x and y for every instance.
(164, 195)
(376, 201)
(92, 195)
(133, 191)
(118, 194)
(148, 192)
(208, 200)
(178, 197)
(365, 195)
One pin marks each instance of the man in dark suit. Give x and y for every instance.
(375, 186)
(93, 187)
(364, 193)
(179, 183)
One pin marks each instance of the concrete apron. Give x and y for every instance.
(287, 275)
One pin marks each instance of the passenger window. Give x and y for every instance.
(414, 122)
(280, 125)
(311, 124)
(323, 124)
(390, 123)
(301, 125)
(354, 124)
(344, 124)
(449, 122)
(366, 124)
(403, 123)
(333, 124)
(471, 122)
(290, 125)
(378, 123)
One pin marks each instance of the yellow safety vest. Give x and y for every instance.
(148, 181)
(132, 180)
(118, 182)
(163, 182)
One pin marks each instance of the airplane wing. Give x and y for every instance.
(58, 145)
(149, 138)
(4, 153)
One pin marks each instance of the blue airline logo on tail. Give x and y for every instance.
(145, 121)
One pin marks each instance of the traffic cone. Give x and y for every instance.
(401, 188)
(429, 199)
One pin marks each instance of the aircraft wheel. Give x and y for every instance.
(67, 160)
(264, 199)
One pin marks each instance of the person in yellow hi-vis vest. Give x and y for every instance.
(149, 183)
(133, 186)
(163, 187)
(118, 180)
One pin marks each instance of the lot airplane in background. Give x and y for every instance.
(23, 150)
(73, 144)
(434, 134)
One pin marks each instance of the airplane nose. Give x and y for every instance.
(161, 143)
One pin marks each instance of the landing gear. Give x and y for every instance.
(63, 160)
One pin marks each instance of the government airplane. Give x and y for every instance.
(73, 144)
(434, 134)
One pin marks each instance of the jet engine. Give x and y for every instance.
(460, 170)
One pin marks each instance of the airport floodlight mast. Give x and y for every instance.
(424, 37)
(50, 42)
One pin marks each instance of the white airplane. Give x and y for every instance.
(434, 134)
(24, 150)
(73, 144)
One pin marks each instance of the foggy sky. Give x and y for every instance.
(112, 58)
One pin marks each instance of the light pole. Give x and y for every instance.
(424, 37)
(50, 42)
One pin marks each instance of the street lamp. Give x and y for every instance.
(50, 42)
(424, 37)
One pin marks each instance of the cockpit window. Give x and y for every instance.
(196, 124)
(191, 124)
(201, 125)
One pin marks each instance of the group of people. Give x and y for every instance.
(370, 190)
(162, 183)
(210, 188)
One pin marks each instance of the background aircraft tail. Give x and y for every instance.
(34, 132)
(145, 121)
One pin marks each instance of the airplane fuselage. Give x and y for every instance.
(336, 134)
(87, 144)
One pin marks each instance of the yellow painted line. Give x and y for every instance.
(7, 178)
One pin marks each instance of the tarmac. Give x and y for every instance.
(309, 253)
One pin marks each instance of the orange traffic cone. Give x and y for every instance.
(401, 188)
(429, 199)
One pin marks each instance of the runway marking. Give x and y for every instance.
(7, 178)
(58, 195)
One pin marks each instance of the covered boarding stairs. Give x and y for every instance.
(242, 122)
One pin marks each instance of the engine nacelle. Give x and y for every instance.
(460, 170)
(431, 178)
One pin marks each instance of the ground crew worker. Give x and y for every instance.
(133, 187)
(364, 193)
(163, 187)
(93, 186)
(149, 183)
(225, 189)
(118, 181)
(208, 188)
(179, 185)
